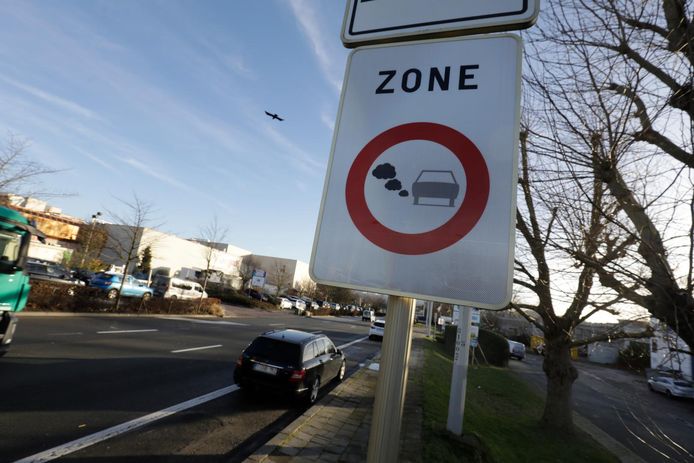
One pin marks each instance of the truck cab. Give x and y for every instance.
(15, 235)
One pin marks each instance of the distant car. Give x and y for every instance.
(285, 303)
(516, 349)
(440, 184)
(671, 387)
(368, 315)
(83, 275)
(51, 272)
(292, 362)
(175, 288)
(257, 295)
(377, 329)
(110, 283)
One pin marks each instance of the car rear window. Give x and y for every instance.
(274, 350)
(380, 324)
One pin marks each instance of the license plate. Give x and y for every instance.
(265, 369)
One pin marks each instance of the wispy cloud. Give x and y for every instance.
(307, 17)
(52, 99)
(96, 159)
(152, 172)
(328, 120)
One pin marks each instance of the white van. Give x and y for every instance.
(176, 288)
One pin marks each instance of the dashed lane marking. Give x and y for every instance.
(125, 331)
(195, 348)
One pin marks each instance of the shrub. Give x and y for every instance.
(636, 356)
(492, 349)
(49, 296)
(229, 296)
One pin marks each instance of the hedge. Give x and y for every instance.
(46, 296)
(492, 348)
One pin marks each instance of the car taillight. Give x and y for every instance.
(239, 362)
(298, 375)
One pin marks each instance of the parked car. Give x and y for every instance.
(285, 303)
(176, 288)
(255, 294)
(110, 283)
(291, 362)
(671, 387)
(377, 329)
(540, 349)
(297, 303)
(368, 315)
(51, 272)
(516, 349)
(83, 275)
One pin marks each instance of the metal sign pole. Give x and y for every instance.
(430, 310)
(384, 439)
(456, 402)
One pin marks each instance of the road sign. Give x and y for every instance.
(258, 278)
(380, 21)
(419, 199)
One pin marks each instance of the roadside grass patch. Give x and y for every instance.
(502, 412)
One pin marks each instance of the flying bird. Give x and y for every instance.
(274, 116)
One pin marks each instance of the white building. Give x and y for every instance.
(667, 351)
(290, 272)
(171, 255)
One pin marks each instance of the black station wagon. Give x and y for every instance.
(290, 361)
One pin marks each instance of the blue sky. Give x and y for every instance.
(166, 99)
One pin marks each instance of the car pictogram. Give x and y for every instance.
(438, 184)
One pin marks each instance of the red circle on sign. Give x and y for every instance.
(467, 216)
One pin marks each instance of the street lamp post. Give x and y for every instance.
(89, 238)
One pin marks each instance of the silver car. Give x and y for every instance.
(671, 387)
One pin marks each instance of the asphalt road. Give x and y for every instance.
(654, 427)
(68, 377)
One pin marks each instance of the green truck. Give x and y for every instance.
(15, 236)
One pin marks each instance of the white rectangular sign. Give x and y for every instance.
(419, 198)
(379, 21)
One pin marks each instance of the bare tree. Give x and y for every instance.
(280, 277)
(125, 238)
(211, 234)
(308, 288)
(555, 220)
(246, 267)
(17, 171)
(619, 77)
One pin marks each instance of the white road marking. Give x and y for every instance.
(277, 324)
(208, 322)
(124, 331)
(195, 348)
(86, 441)
(353, 342)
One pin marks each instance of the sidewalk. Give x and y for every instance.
(337, 428)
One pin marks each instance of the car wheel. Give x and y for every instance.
(650, 387)
(174, 297)
(313, 392)
(112, 293)
(146, 296)
(341, 372)
(668, 393)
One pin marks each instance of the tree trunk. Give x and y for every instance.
(561, 374)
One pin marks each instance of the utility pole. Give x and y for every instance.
(89, 238)
(384, 440)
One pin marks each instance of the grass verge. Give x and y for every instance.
(502, 412)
